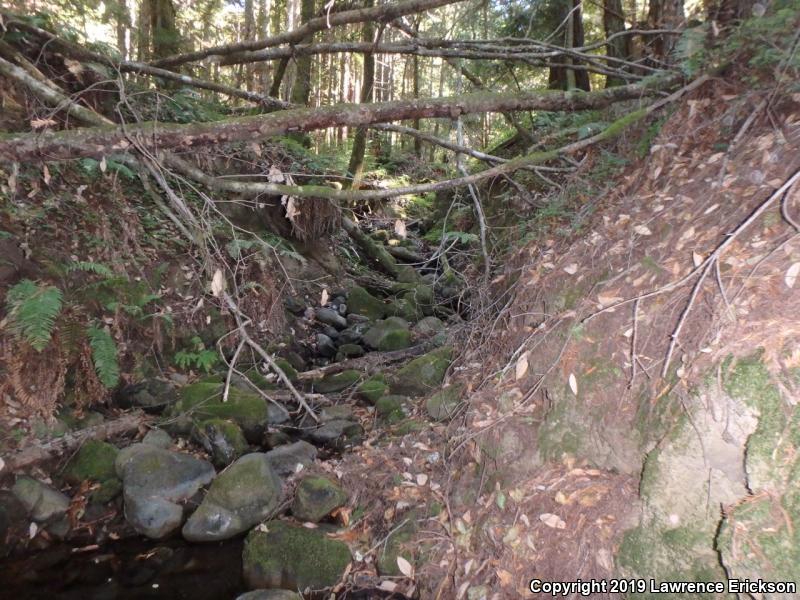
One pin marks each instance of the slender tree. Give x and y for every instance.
(356, 166)
(618, 47)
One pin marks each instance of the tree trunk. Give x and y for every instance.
(619, 47)
(165, 35)
(564, 78)
(100, 141)
(356, 166)
(664, 14)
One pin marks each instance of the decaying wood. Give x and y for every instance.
(368, 363)
(40, 451)
(100, 141)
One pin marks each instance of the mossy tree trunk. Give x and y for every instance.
(619, 47)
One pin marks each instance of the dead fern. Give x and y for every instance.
(36, 378)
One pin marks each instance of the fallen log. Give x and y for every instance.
(42, 450)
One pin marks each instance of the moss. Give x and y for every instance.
(94, 461)
(397, 544)
(317, 497)
(107, 491)
(444, 403)
(373, 388)
(222, 438)
(291, 557)
(287, 368)
(390, 408)
(397, 339)
(361, 302)
(338, 382)
(404, 308)
(202, 401)
(422, 374)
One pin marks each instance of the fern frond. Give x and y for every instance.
(32, 311)
(104, 356)
(91, 267)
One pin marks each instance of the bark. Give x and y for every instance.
(40, 451)
(381, 14)
(664, 14)
(164, 32)
(301, 91)
(100, 141)
(618, 46)
(568, 77)
(356, 166)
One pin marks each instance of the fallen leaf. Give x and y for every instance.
(422, 479)
(32, 530)
(791, 275)
(324, 298)
(697, 259)
(400, 229)
(522, 366)
(387, 586)
(505, 577)
(103, 165)
(642, 230)
(552, 520)
(573, 384)
(405, 567)
(291, 209)
(217, 283)
(39, 123)
(46, 175)
(571, 269)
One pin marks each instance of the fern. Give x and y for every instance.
(104, 356)
(91, 267)
(32, 311)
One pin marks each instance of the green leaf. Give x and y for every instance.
(91, 267)
(104, 356)
(32, 311)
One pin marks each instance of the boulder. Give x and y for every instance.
(444, 403)
(332, 384)
(325, 346)
(316, 497)
(337, 433)
(155, 483)
(202, 401)
(42, 502)
(153, 395)
(222, 439)
(158, 438)
(423, 374)
(288, 459)
(391, 408)
(332, 413)
(288, 556)
(244, 494)
(373, 388)
(389, 334)
(331, 317)
(428, 327)
(361, 302)
(94, 461)
(354, 333)
(349, 351)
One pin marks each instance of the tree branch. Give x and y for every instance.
(380, 14)
(100, 141)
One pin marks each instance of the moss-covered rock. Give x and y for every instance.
(285, 366)
(222, 439)
(316, 497)
(423, 374)
(428, 327)
(94, 461)
(108, 490)
(337, 382)
(373, 388)
(361, 302)
(291, 557)
(388, 334)
(349, 351)
(202, 401)
(444, 403)
(391, 408)
(407, 274)
(421, 299)
(397, 544)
